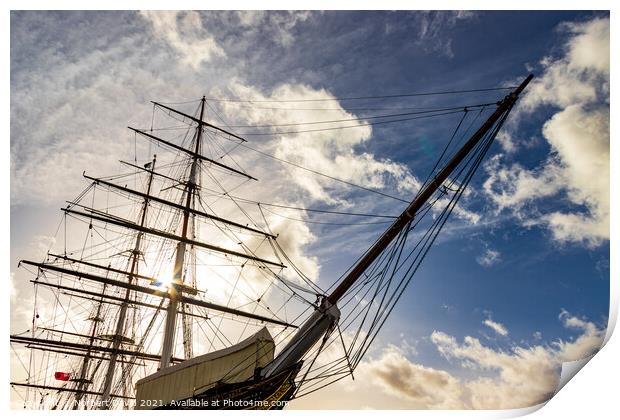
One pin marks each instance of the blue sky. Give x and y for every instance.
(535, 264)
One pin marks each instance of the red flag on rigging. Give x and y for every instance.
(62, 376)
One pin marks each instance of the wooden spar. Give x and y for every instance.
(78, 354)
(150, 171)
(108, 218)
(155, 292)
(60, 389)
(423, 196)
(200, 121)
(79, 346)
(195, 155)
(176, 205)
(52, 330)
(82, 294)
(103, 267)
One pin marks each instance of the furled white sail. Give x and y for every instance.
(230, 365)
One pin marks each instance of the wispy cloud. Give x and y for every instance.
(489, 257)
(496, 326)
(277, 26)
(185, 34)
(433, 29)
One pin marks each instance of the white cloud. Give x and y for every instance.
(425, 385)
(249, 18)
(589, 49)
(282, 25)
(86, 111)
(432, 28)
(512, 187)
(42, 243)
(489, 257)
(329, 152)
(581, 75)
(459, 211)
(587, 343)
(496, 379)
(333, 153)
(80, 123)
(184, 32)
(496, 326)
(278, 27)
(577, 167)
(581, 140)
(504, 138)
(13, 291)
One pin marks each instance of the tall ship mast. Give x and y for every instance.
(157, 300)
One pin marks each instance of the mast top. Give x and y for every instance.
(199, 121)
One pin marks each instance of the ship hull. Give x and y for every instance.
(258, 394)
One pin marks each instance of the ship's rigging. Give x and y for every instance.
(156, 247)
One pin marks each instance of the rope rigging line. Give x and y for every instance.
(391, 251)
(347, 109)
(284, 206)
(423, 211)
(252, 252)
(445, 149)
(372, 117)
(355, 98)
(341, 213)
(286, 283)
(435, 224)
(326, 223)
(343, 127)
(316, 290)
(333, 178)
